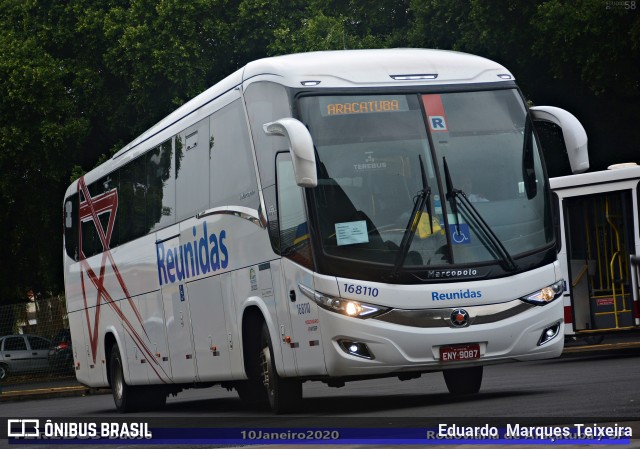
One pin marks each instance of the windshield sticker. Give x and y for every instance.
(370, 163)
(437, 204)
(460, 234)
(351, 233)
(427, 230)
(435, 112)
(362, 105)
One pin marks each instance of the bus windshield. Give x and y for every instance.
(487, 198)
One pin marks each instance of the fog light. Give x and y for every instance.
(356, 349)
(549, 333)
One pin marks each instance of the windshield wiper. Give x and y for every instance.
(422, 198)
(470, 210)
(452, 193)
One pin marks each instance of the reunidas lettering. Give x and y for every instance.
(460, 294)
(205, 254)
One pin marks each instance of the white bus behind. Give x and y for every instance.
(600, 236)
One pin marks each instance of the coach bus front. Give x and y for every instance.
(429, 231)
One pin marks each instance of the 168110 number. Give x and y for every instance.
(360, 290)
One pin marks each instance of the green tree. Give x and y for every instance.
(343, 24)
(40, 127)
(591, 41)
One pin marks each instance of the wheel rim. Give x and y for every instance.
(265, 369)
(3, 372)
(118, 385)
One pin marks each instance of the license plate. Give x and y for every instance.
(464, 352)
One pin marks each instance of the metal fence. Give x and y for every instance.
(35, 343)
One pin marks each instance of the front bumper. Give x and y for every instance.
(410, 341)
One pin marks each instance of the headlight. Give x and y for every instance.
(545, 295)
(348, 307)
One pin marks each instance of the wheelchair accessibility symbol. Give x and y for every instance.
(460, 234)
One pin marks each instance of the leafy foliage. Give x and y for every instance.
(81, 78)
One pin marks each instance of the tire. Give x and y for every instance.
(128, 398)
(252, 390)
(463, 381)
(4, 372)
(284, 395)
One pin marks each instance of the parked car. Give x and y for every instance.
(61, 354)
(23, 353)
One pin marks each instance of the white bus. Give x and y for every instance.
(328, 216)
(600, 236)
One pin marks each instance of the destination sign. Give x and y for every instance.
(362, 105)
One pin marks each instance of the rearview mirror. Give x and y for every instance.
(575, 137)
(300, 146)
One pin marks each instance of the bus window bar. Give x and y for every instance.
(245, 213)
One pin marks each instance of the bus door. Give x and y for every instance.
(208, 322)
(296, 269)
(600, 240)
(176, 314)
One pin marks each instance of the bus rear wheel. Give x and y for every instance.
(463, 381)
(284, 394)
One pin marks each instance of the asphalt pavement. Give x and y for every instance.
(69, 386)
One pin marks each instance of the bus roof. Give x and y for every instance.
(383, 67)
(339, 69)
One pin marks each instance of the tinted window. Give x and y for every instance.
(192, 170)
(103, 200)
(70, 218)
(233, 178)
(294, 231)
(267, 102)
(161, 187)
(38, 343)
(132, 201)
(15, 344)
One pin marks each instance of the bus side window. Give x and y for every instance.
(553, 148)
(71, 226)
(131, 216)
(266, 102)
(294, 230)
(192, 170)
(233, 176)
(91, 241)
(161, 189)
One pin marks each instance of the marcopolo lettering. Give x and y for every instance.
(205, 254)
(451, 273)
(460, 294)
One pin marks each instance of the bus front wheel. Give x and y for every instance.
(284, 394)
(463, 381)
